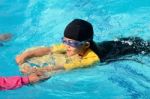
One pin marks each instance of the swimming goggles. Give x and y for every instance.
(72, 43)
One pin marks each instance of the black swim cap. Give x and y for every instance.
(79, 30)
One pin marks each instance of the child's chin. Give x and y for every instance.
(69, 54)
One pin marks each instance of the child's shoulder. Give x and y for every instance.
(91, 54)
(58, 47)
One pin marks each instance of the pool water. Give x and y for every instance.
(41, 22)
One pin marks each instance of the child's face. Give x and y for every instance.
(73, 47)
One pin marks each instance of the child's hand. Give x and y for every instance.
(26, 69)
(33, 78)
(38, 76)
(20, 59)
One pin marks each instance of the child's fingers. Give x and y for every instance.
(25, 69)
(19, 60)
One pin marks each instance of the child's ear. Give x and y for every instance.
(87, 44)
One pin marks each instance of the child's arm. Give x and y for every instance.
(39, 52)
(34, 53)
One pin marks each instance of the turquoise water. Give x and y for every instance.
(41, 22)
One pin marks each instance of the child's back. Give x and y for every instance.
(124, 46)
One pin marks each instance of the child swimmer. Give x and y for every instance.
(81, 51)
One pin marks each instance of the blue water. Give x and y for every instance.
(41, 22)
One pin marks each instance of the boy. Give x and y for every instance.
(81, 51)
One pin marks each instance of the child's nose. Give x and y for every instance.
(67, 46)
